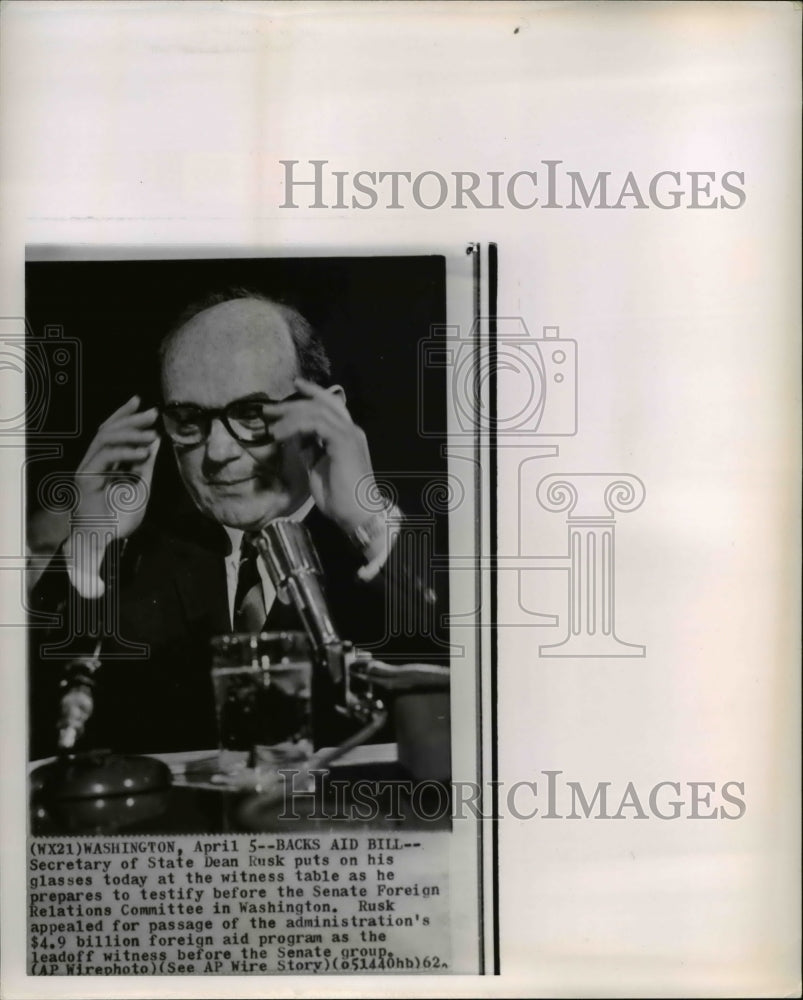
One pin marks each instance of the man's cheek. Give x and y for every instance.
(292, 466)
(189, 466)
(194, 485)
(270, 457)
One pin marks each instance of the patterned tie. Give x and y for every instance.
(249, 601)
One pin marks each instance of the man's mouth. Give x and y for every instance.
(266, 477)
(226, 483)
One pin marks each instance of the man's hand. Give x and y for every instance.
(124, 447)
(335, 449)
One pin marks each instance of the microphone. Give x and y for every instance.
(74, 777)
(77, 703)
(295, 571)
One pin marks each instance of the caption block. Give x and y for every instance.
(239, 905)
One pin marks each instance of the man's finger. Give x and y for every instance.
(337, 414)
(141, 420)
(120, 430)
(110, 459)
(316, 422)
(126, 434)
(146, 472)
(104, 455)
(333, 398)
(129, 406)
(145, 418)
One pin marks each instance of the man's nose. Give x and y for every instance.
(220, 445)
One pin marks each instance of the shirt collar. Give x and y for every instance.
(235, 535)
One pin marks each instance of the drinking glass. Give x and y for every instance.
(262, 700)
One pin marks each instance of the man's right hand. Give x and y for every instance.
(125, 447)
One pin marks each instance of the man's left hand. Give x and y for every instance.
(335, 449)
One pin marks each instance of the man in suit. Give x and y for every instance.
(258, 433)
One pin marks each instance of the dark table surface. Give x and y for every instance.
(367, 789)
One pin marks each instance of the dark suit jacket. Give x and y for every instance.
(167, 591)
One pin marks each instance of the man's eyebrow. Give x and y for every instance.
(263, 397)
(179, 402)
(256, 397)
(252, 397)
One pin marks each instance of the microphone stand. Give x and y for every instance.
(97, 775)
(295, 571)
(341, 676)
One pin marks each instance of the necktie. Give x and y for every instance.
(250, 614)
(249, 601)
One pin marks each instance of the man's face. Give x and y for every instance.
(230, 351)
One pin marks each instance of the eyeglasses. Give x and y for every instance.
(244, 419)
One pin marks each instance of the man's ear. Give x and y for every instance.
(339, 391)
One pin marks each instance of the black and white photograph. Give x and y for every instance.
(239, 604)
(399, 522)
(160, 552)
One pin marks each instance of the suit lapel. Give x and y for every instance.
(199, 578)
(197, 568)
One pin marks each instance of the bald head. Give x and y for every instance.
(231, 351)
(255, 312)
(225, 346)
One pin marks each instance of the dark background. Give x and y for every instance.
(372, 312)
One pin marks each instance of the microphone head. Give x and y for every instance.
(287, 549)
(295, 570)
